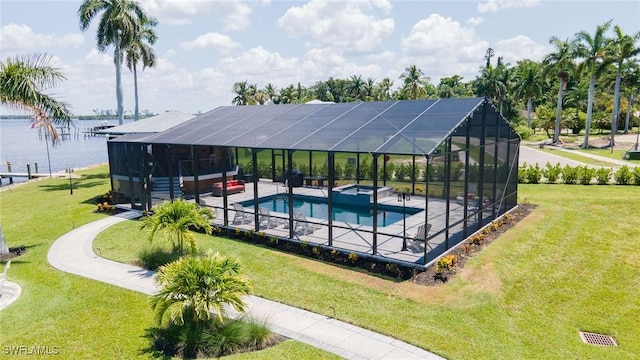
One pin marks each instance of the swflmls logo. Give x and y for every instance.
(31, 350)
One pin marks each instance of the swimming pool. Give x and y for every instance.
(316, 207)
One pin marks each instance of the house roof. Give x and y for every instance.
(154, 124)
(393, 127)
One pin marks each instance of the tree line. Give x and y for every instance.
(592, 78)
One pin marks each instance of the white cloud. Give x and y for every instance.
(442, 47)
(498, 5)
(234, 14)
(475, 21)
(98, 58)
(18, 38)
(520, 47)
(382, 57)
(349, 25)
(220, 42)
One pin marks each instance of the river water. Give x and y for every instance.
(21, 145)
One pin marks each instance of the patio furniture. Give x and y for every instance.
(301, 223)
(420, 236)
(266, 219)
(241, 214)
(233, 187)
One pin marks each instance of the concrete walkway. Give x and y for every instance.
(10, 293)
(73, 253)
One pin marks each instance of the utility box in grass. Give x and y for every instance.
(632, 155)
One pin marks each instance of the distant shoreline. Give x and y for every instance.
(11, 186)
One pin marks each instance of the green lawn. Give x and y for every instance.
(616, 154)
(575, 155)
(561, 270)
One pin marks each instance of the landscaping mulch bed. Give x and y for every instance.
(468, 250)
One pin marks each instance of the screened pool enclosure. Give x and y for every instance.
(373, 178)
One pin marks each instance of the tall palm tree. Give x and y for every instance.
(177, 218)
(414, 82)
(489, 84)
(623, 47)
(272, 92)
(245, 93)
(197, 289)
(592, 49)
(23, 82)
(140, 50)
(528, 84)
(119, 25)
(631, 82)
(561, 63)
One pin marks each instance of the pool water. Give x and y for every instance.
(316, 207)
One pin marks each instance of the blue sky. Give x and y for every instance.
(205, 46)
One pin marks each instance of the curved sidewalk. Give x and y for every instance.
(73, 253)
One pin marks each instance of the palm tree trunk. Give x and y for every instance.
(616, 110)
(529, 106)
(116, 59)
(626, 123)
(136, 115)
(556, 133)
(592, 85)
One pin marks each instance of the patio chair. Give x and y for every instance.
(301, 223)
(241, 214)
(266, 219)
(420, 237)
(470, 194)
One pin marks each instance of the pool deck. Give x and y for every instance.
(349, 236)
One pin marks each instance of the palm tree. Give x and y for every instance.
(23, 82)
(119, 25)
(593, 50)
(385, 88)
(245, 93)
(197, 289)
(560, 62)
(140, 50)
(489, 84)
(623, 47)
(177, 218)
(272, 91)
(356, 86)
(529, 83)
(631, 82)
(414, 82)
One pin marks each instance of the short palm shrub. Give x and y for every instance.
(177, 218)
(196, 292)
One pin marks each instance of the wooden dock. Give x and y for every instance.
(11, 175)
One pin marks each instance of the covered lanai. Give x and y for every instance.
(366, 177)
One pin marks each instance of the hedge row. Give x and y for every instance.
(553, 174)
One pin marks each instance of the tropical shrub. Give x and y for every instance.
(603, 175)
(585, 174)
(552, 172)
(636, 176)
(191, 308)
(533, 174)
(177, 218)
(522, 173)
(569, 174)
(349, 171)
(446, 264)
(623, 176)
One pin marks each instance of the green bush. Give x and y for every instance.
(533, 174)
(552, 172)
(522, 173)
(636, 176)
(585, 174)
(623, 176)
(524, 132)
(337, 171)
(569, 174)
(349, 171)
(603, 176)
